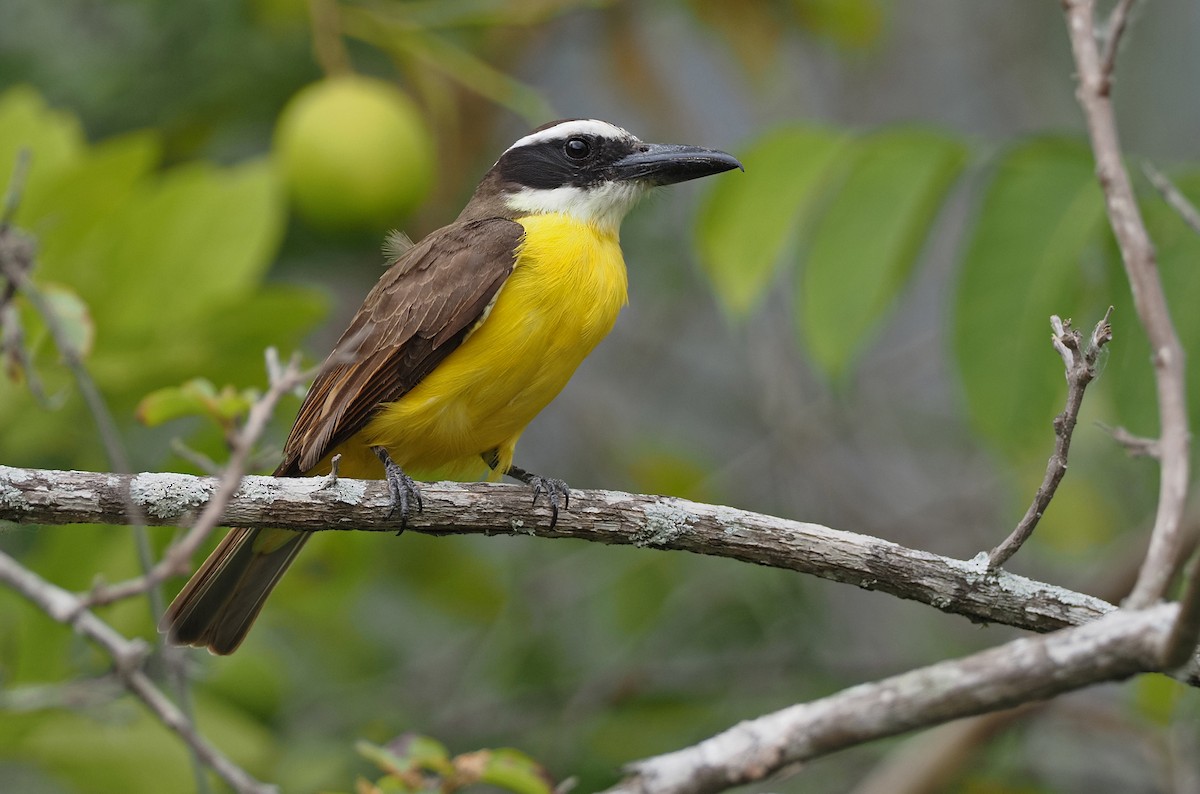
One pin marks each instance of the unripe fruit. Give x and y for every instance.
(354, 152)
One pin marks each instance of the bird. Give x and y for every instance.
(465, 338)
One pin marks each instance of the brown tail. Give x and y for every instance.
(219, 603)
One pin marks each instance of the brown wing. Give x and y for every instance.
(418, 313)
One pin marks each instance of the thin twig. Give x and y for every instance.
(105, 424)
(14, 355)
(1173, 196)
(1113, 31)
(1135, 446)
(177, 558)
(128, 657)
(81, 693)
(16, 186)
(16, 253)
(1080, 370)
(1137, 253)
(195, 457)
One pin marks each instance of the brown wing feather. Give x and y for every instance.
(417, 314)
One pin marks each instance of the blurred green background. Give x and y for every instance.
(854, 332)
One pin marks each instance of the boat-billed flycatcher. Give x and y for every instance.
(466, 337)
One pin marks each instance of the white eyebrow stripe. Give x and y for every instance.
(575, 127)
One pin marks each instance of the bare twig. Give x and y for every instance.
(1137, 253)
(312, 503)
(16, 254)
(16, 186)
(195, 457)
(1031, 668)
(177, 558)
(84, 693)
(1135, 446)
(1113, 31)
(105, 424)
(128, 657)
(1173, 196)
(1080, 370)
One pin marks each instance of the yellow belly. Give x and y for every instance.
(564, 294)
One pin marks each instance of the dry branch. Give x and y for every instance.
(128, 657)
(1031, 668)
(1137, 254)
(1167, 541)
(960, 587)
(1173, 196)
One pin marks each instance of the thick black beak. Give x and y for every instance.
(668, 163)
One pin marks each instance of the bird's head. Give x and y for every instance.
(592, 170)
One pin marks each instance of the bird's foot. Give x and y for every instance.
(558, 495)
(403, 489)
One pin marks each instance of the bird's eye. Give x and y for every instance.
(578, 148)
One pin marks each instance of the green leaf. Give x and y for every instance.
(168, 264)
(54, 139)
(1041, 213)
(749, 220)
(1157, 697)
(849, 23)
(74, 212)
(865, 245)
(197, 396)
(406, 752)
(195, 238)
(72, 317)
(515, 771)
(174, 402)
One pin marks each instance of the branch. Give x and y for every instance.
(1137, 253)
(318, 503)
(1113, 31)
(128, 656)
(1173, 196)
(1081, 370)
(178, 557)
(1031, 668)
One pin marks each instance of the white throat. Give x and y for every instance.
(604, 205)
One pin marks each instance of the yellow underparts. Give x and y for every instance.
(564, 294)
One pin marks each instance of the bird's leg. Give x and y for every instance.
(404, 489)
(556, 491)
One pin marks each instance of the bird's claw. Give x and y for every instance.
(557, 494)
(556, 491)
(403, 490)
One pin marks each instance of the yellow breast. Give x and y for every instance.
(564, 294)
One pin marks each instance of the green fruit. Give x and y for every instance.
(354, 153)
